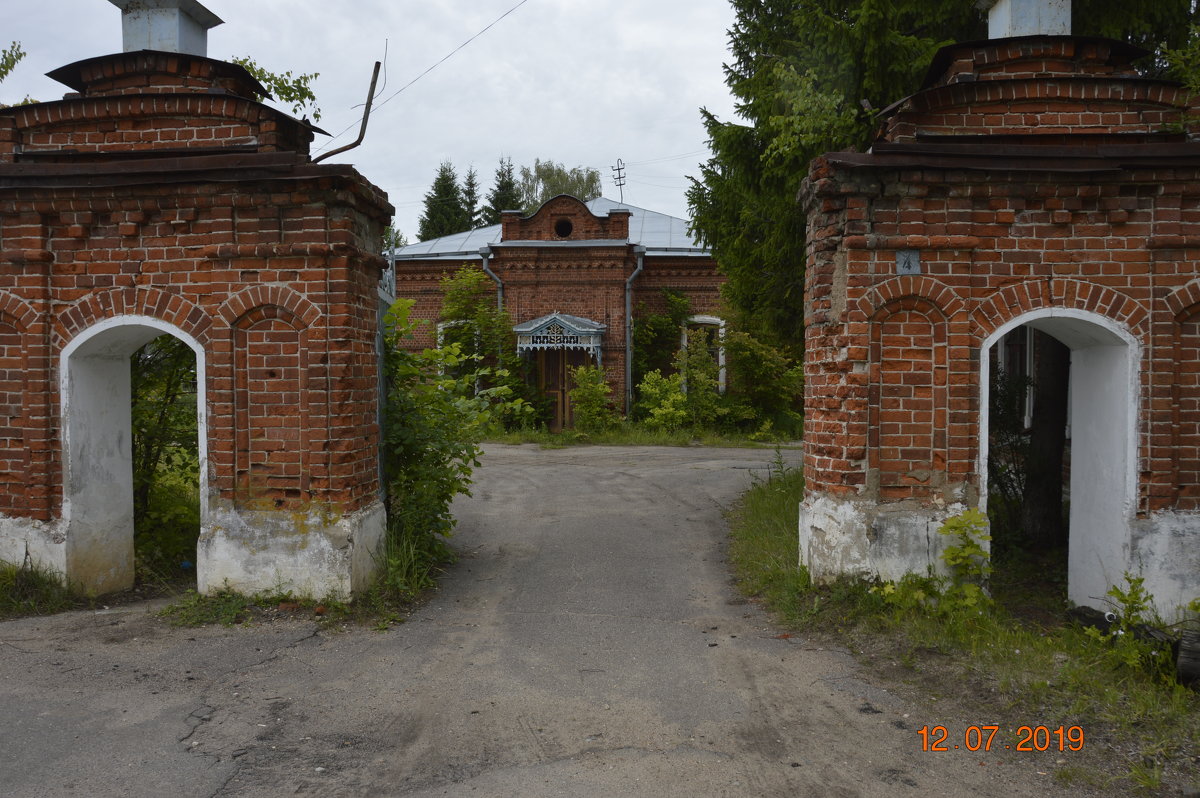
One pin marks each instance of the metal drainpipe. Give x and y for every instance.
(641, 262)
(485, 253)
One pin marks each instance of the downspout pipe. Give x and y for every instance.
(485, 253)
(640, 251)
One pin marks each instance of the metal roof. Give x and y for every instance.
(657, 232)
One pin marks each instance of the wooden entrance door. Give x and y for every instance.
(554, 381)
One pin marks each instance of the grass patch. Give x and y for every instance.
(1016, 660)
(31, 589)
(627, 434)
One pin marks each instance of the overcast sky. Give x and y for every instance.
(582, 83)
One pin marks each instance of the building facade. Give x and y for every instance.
(571, 275)
(1035, 180)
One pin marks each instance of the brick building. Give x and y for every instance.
(160, 197)
(1035, 180)
(569, 275)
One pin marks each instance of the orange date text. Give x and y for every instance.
(983, 738)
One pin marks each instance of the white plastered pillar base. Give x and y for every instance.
(315, 553)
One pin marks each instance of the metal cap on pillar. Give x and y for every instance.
(173, 26)
(1008, 18)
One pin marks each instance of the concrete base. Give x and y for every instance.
(849, 536)
(93, 567)
(1166, 552)
(857, 538)
(315, 553)
(44, 542)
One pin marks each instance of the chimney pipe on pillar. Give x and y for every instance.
(173, 26)
(1007, 18)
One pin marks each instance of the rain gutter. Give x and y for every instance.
(640, 251)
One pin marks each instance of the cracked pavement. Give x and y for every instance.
(588, 643)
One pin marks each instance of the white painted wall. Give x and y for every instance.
(1102, 505)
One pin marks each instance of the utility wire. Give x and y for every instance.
(426, 72)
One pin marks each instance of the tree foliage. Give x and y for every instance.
(9, 58)
(799, 72)
(656, 335)
(286, 87)
(472, 321)
(547, 179)
(166, 466)
(504, 196)
(445, 212)
(470, 194)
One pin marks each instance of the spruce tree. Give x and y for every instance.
(444, 211)
(470, 193)
(504, 196)
(799, 72)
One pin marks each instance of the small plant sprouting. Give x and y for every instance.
(968, 560)
(1136, 638)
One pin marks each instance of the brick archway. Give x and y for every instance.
(98, 515)
(1105, 389)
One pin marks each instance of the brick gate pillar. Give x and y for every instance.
(161, 196)
(1041, 181)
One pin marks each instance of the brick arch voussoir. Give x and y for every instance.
(1183, 300)
(1017, 299)
(237, 308)
(136, 301)
(19, 312)
(922, 287)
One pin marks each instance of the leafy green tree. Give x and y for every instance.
(445, 212)
(472, 322)
(9, 58)
(287, 88)
(434, 418)
(166, 466)
(656, 335)
(799, 72)
(504, 196)
(547, 179)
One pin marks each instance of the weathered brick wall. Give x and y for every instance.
(885, 350)
(564, 218)
(148, 195)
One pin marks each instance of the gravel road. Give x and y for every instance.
(588, 643)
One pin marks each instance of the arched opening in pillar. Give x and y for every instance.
(102, 500)
(1057, 452)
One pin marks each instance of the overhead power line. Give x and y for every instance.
(441, 61)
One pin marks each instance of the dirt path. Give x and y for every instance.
(589, 643)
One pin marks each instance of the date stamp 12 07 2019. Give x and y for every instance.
(982, 738)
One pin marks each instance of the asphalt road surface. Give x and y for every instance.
(588, 643)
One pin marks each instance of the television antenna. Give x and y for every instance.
(619, 177)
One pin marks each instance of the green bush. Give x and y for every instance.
(438, 405)
(591, 401)
(663, 404)
(483, 333)
(765, 386)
